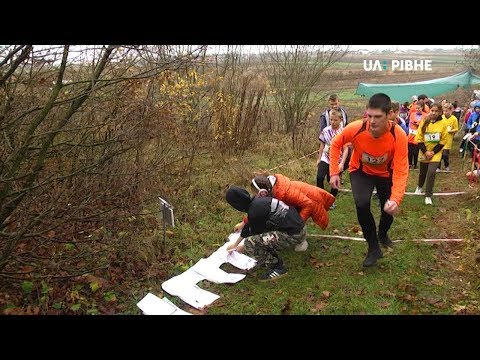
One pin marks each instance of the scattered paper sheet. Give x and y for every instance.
(184, 286)
(240, 260)
(235, 258)
(211, 271)
(233, 237)
(153, 305)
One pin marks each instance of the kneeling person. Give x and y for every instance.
(272, 226)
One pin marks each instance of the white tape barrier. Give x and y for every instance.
(363, 239)
(412, 193)
(438, 171)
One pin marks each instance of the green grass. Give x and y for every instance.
(413, 278)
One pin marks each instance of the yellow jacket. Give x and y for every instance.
(435, 133)
(452, 128)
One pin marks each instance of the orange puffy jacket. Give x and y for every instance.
(308, 199)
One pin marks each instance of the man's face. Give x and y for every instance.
(334, 104)
(378, 121)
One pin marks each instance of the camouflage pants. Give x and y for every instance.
(263, 247)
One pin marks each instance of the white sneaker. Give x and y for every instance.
(418, 190)
(303, 246)
(428, 200)
(437, 170)
(447, 169)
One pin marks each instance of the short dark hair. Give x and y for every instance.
(333, 97)
(380, 101)
(263, 183)
(395, 106)
(422, 97)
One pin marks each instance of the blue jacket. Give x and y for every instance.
(402, 124)
(473, 118)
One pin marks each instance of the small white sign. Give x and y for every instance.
(167, 212)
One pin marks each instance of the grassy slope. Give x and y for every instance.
(328, 278)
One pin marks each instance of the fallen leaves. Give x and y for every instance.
(459, 309)
(287, 308)
(319, 306)
(437, 282)
(315, 263)
(384, 305)
(29, 310)
(433, 300)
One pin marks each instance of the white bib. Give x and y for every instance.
(433, 137)
(413, 132)
(374, 160)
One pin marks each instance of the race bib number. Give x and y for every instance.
(413, 132)
(449, 128)
(374, 160)
(432, 137)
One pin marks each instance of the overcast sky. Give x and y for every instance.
(257, 48)
(404, 47)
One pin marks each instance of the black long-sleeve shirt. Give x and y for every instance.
(262, 217)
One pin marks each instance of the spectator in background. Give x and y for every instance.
(474, 118)
(411, 107)
(457, 111)
(394, 116)
(333, 103)
(426, 101)
(403, 113)
(452, 128)
(415, 119)
(431, 138)
(425, 108)
(323, 162)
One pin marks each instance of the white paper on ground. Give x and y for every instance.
(235, 258)
(184, 286)
(240, 260)
(210, 270)
(233, 237)
(153, 305)
(178, 311)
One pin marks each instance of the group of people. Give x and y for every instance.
(378, 151)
